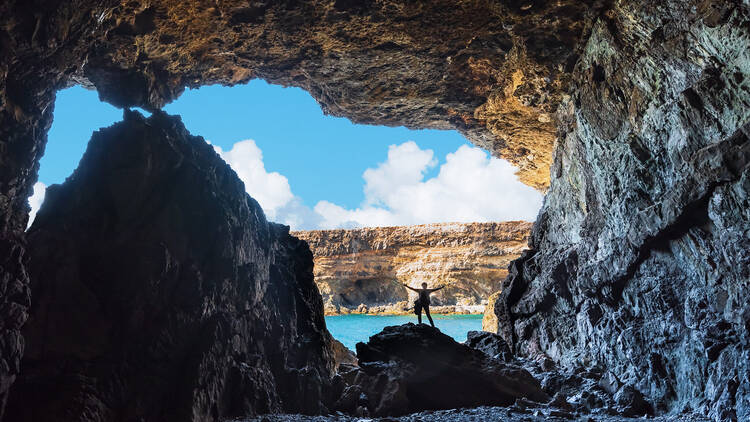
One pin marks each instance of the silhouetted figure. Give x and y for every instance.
(423, 303)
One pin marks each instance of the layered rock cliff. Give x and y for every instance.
(161, 292)
(361, 270)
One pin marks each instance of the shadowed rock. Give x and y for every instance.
(640, 258)
(161, 292)
(411, 367)
(491, 344)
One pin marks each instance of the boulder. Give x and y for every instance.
(162, 293)
(342, 355)
(490, 343)
(410, 368)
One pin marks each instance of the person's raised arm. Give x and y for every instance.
(434, 290)
(410, 288)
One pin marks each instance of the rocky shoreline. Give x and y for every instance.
(405, 308)
(361, 271)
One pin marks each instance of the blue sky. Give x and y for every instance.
(310, 170)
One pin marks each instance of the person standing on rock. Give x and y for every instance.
(423, 303)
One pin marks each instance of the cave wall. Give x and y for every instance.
(160, 291)
(496, 71)
(41, 46)
(639, 261)
(644, 229)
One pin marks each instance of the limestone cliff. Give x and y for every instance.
(361, 270)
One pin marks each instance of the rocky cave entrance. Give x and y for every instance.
(646, 106)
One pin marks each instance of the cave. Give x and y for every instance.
(632, 116)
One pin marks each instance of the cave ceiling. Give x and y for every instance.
(494, 70)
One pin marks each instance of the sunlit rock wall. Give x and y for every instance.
(367, 266)
(639, 261)
(496, 71)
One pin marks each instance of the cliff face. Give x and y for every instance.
(161, 292)
(366, 266)
(639, 260)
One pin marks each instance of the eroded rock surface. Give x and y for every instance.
(161, 292)
(409, 368)
(640, 260)
(494, 70)
(360, 270)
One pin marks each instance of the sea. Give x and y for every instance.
(354, 328)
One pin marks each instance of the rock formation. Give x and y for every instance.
(639, 266)
(495, 71)
(360, 270)
(161, 292)
(639, 260)
(409, 368)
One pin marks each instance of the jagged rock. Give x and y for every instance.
(161, 292)
(631, 402)
(416, 367)
(366, 266)
(639, 261)
(342, 355)
(490, 343)
(489, 318)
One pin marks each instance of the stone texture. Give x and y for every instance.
(491, 344)
(161, 292)
(489, 319)
(342, 355)
(494, 70)
(640, 254)
(409, 368)
(366, 266)
(41, 44)
(639, 260)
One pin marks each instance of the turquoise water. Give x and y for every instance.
(351, 329)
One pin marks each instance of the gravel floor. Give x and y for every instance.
(480, 414)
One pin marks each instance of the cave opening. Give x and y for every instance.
(398, 173)
(312, 171)
(640, 108)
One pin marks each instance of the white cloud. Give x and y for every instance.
(470, 187)
(36, 199)
(271, 190)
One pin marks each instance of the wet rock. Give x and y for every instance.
(416, 367)
(162, 293)
(490, 343)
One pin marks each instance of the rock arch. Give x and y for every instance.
(648, 104)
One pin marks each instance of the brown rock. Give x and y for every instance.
(362, 269)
